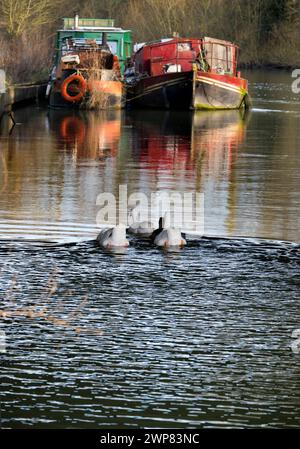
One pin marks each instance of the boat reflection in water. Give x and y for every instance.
(218, 135)
(191, 151)
(160, 150)
(160, 141)
(150, 151)
(87, 135)
(181, 150)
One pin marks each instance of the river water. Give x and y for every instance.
(199, 337)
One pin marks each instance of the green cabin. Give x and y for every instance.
(80, 30)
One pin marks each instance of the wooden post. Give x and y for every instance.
(2, 82)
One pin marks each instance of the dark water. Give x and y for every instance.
(195, 338)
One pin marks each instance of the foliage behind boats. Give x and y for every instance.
(267, 31)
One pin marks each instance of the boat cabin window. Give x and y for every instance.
(220, 57)
(113, 46)
(184, 46)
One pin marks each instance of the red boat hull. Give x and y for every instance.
(213, 91)
(188, 90)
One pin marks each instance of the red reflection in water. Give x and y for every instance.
(87, 135)
(185, 142)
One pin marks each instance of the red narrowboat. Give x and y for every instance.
(181, 73)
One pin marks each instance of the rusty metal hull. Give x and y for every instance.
(108, 101)
(168, 91)
(212, 91)
(187, 90)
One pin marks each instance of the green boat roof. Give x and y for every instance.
(97, 29)
(69, 23)
(84, 24)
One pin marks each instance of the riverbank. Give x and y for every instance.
(20, 94)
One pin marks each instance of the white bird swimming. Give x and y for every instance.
(295, 346)
(143, 228)
(167, 236)
(113, 237)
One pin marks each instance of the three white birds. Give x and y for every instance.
(163, 236)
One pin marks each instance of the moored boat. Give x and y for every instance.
(89, 64)
(181, 73)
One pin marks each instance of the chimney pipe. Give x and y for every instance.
(76, 21)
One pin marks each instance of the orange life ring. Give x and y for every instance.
(81, 86)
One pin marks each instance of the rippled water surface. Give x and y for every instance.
(146, 338)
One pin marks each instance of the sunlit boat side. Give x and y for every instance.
(181, 73)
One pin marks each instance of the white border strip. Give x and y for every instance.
(219, 84)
